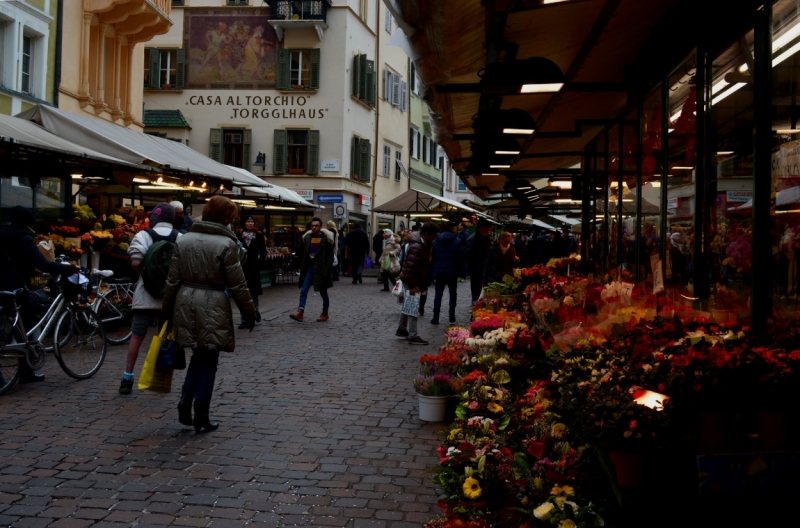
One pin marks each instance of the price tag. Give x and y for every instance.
(627, 291)
(658, 276)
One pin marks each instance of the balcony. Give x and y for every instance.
(298, 14)
(138, 20)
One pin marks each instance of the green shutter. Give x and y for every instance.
(180, 68)
(282, 82)
(366, 158)
(246, 139)
(370, 80)
(355, 159)
(356, 74)
(155, 74)
(312, 163)
(362, 77)
(279, 156)
(215, 145)
(314, 74)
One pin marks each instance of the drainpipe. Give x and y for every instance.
(377, 114)
(59, 31)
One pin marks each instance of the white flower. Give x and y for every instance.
(647, 368)
(543, 510)
(569, 301)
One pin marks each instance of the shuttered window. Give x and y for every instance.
(164, 69)
(398, 160)
(296, 152)
(231, 146)
(360, 160)
(298, 69)
(364, 79)
(387, 161)
(395, 90)
(388, 23)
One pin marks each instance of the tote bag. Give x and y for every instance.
(153, 378)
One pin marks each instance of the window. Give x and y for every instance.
(395, 90)
(425, 150)
(439, 157)
(360, 158)
(237, 2)
(298, 69)
(363, 10)
(26, 77)
(387, 161)
(364, 79)
(398, 163)
(388, 23)
(178, 3)
(296, 152)
(461, 185)
(230, 146)
(414, 80)
(165, 69)
(414, 142)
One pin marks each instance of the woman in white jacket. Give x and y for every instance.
(391, 250)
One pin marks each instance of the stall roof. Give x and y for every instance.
(566, 219)
(413, 201)
(271, 190)
(133, 147)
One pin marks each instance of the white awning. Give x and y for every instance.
(131, 146)
(566, 220)
(271, 190)
(413, 201)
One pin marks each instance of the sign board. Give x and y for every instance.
(740, 196)
(626, 293)
(330, 198)
(340, 210)
(673, 203)
(364, 200)
(186, 197)
(305, 195)
(330, 166)
(237, 191)
(658, 277)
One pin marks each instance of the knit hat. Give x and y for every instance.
(177, 205)
(162, 212)
(21, 216)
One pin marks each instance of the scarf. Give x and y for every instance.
(248, 236)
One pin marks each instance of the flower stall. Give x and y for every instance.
(590, 393)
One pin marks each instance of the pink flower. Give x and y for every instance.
(633, 425)
(473, 406)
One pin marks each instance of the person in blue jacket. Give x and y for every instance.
(447, 258)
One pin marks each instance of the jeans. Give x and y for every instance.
(308, 281)
(357, 271)
(409, 323)
(452, 287)
(201, 373)
(476, 285)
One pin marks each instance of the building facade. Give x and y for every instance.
(427, 158)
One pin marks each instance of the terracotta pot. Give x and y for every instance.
(773, 430)
(630, 468)
(713, 429)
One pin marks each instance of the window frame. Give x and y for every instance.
(149, 82)
(162, 52)
(28, 76)
(387, 160)
(398, 159)
(300, 70)
(460, 185)
(294, 147)
(226, 132)
(415, 140)
(387, 25)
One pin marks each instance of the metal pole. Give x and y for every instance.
(638, 220)
(662, 239)
(588, 169)
(702, 209)
(619, 195)
(761, 306)
(606, 218)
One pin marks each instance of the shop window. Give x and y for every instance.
(614, 191)
(231, 146)
(360, 159)
(630, 221)
(387, 161)
(398, 162)
(50, 198)
(298, 69)
(650, 192)
(27, 65)
(296, 152)
(14, 191)
(165, 69)
(364, 79)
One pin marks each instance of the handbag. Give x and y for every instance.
(171, 355)
(397, 290)
(368, 262)
(386, 263)
(151, 377)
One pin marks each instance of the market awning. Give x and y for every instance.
(272, 191)
(134, 147)
(413, 201)
(566, 219)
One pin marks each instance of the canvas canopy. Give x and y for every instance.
(272, 191)
(413, 201)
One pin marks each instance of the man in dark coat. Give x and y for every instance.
(448, 256)
(478, 245)
(19, 260)
(463, 236)
(315, 268)
(414, 275)
(358, 248)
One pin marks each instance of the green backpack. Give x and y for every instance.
(157, 261)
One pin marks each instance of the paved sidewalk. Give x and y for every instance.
(318, 427)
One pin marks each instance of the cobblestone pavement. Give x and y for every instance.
(318, 427)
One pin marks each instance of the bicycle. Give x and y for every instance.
(113, 305)
(78, 334)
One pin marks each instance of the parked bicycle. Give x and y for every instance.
(78, 335)
(113, 305)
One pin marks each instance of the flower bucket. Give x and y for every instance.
(714, 429)
(773, 430)
(432, 408)
(95, 261)
(630, 468)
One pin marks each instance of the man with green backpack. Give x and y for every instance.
(151, 253)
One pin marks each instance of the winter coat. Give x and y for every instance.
(206, 261)
(416, 262)
(477, 250)
(391, 249)
(358, 244)
(142, 300)
(256, 252)
(321, 264)
(448, 254)
(498, 263)
(20, 258)
(377, 243)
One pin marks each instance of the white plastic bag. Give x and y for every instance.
(397, 290)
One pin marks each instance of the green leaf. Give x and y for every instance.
(501, 376)
(461, 411)
(504, 422)
(481, 463)
(522, 461)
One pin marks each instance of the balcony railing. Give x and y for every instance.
(299, 10)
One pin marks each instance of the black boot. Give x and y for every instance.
(201, 420)
(452, 315)
(185, 406)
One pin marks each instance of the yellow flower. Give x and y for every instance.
(566, 490)
(453, 435)
(567, 523)
(472, 488)
(493, 407)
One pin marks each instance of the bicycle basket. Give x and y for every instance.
(77, 286)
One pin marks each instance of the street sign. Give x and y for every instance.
(330, 198)
(365, 200)
(340, 210)
(330, 166)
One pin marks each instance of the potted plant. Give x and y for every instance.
(435, 384)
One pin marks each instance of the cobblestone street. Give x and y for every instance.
(318, 427)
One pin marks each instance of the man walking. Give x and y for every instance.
(358, 247)
(414, 276)
(315, 268)
(447, 258)
(478, 245)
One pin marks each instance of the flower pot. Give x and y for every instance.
(432, 408)
(773, 430)
(84, 260)
(95, 261)
(713, 429)
(630, 468)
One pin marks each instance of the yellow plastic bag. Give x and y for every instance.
(153, 378)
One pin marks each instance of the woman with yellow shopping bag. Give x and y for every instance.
(205, 262)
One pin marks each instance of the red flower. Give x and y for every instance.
(633, 425)
(474, 376)
(536, 449)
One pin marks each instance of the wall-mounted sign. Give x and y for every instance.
(673, 203)
(330, 198)
(305, 195)
(364, 200)
(340, 210)
(330, 166)
(740, 196)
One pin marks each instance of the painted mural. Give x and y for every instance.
(230, 49)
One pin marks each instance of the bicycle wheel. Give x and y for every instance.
(85, 349)
(116, 314)
(9, 364)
